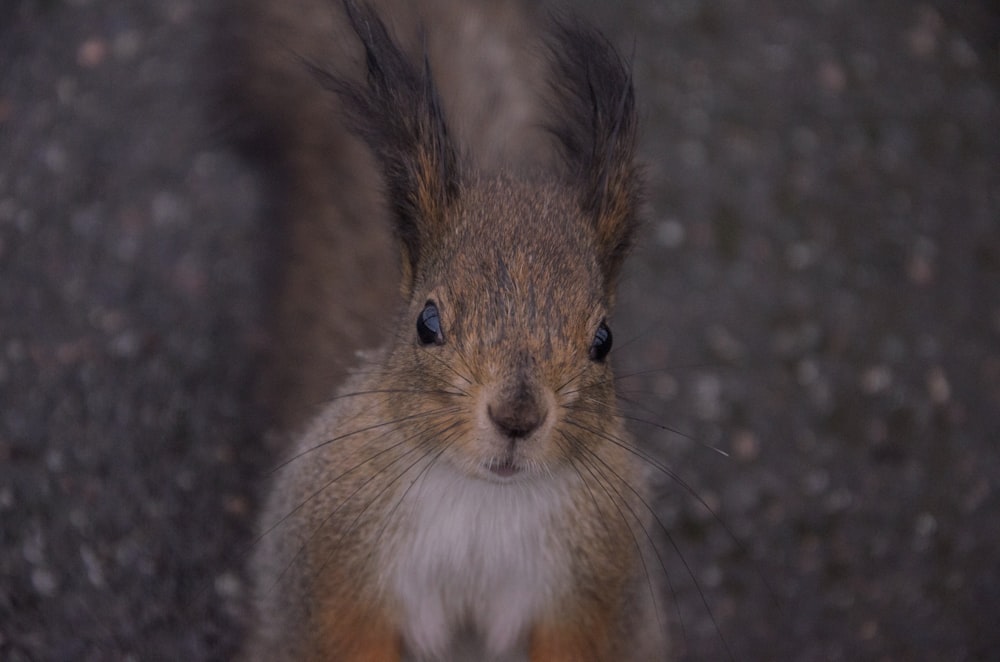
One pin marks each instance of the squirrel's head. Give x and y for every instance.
(509, 278)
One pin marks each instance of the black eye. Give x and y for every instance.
(429, 325)
(602, 342)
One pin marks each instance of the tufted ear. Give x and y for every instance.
(397, 111)
(596, 130)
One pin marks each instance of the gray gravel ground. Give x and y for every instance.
(817, 292)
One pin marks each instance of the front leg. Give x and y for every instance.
(355, 635)
(579, 640)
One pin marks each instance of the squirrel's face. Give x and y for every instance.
(499, 364)
(505, 340)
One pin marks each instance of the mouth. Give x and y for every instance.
(504, 468)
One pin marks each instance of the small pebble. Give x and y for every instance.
(746, 446)
(670, 233)
(235, 504)
(922, 38)
(876, 379)
(816, 482)
(938, 386)
(228, 585)
(723, 344)
(126, 45)
(832, 77)
(92, 52)
(44, 581)
(800, 255)
(95, 573)
(926, 525)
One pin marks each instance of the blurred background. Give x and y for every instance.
(816, 292)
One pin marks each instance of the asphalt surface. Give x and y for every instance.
(817, 293)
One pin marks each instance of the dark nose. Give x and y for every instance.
(517, 411)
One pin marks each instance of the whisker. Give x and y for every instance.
(388, 391)
(676, 367)
(450, 368)
(326, 485)
(333, 512)
(570, 380)
(465, 362)
(674, 476)
(661, 426)
(420, 475)
(376, 497)
(649, 582)
(673, 430)
(652, 461)
(403, 338)
(670, 539)
(369, 428)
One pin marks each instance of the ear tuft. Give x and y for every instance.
(594, 100)
(397, 111)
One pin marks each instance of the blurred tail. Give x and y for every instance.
(335, 288)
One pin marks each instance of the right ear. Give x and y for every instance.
(397, 111)
(596, 130)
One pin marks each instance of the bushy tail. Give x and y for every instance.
(333, 293)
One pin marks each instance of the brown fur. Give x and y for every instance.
(518, 252)
(326, 186)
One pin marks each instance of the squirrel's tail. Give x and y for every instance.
(334, 291)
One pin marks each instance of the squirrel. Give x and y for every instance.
(470, 491)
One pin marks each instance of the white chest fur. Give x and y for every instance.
(470, 555)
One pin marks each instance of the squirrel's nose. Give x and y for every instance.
(517, 412)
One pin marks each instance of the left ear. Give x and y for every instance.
(396, 110)
(597, 130)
